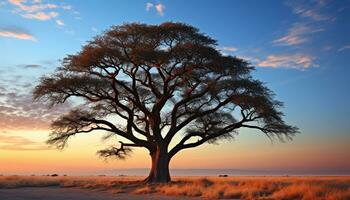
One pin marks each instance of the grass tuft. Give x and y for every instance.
(281, 188)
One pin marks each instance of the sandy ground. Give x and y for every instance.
(56, 193)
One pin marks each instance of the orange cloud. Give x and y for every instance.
(296, 35)
(296, 61)
(41, 15)
(37, 6)
(20, 143)
(17, 34)
(37, 10)
(160, 9)
(312, 12)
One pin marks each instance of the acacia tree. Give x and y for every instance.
(150, 83)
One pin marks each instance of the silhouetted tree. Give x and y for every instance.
(150, 83)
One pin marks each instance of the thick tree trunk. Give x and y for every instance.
(160, 167)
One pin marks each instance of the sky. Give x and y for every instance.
(300, 49)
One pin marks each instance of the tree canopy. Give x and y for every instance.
(149, 83)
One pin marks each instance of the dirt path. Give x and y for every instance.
(56, 193)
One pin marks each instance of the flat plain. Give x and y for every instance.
(132, 188)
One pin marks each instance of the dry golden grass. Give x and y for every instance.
(281, 188)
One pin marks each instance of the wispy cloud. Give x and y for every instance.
(149, 6)
(311, 10)
(94, 29)
(159, 7)
(59, 22)
(34, 7)
(67, 7)
(251, 59)
(228, 48)
(17, 143)
(294, 61)
(37, 10)
(296, 35)
(18, 111)
(310, 13)
(346, 47)
(31, 66)
(41, 15)
(17, 34)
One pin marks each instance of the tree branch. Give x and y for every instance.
(121, 153)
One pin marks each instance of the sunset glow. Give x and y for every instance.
(300, 50)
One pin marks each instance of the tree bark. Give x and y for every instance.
(160, 167)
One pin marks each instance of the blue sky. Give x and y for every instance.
(301, 49)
